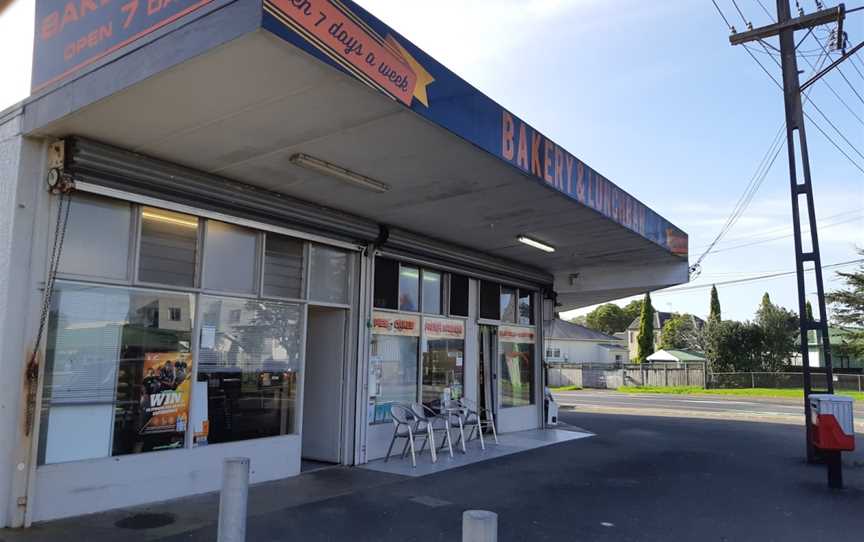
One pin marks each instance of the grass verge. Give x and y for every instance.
(567, 388)
(743, 392)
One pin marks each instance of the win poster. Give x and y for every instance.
(166, 385)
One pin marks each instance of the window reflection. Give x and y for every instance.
(250, 358)
(392, 374)
(409, 288)
(116, 376)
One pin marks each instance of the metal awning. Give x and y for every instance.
(460, 168)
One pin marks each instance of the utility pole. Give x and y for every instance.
(801, 188)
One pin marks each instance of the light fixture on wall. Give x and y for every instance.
(535, 243)
(362, 181)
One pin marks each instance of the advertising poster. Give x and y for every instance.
(165, 402)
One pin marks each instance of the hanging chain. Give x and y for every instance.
(63, 207)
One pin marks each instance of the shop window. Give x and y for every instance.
(508, 305)
(248, 370)
(230, 258)
(517, 366)
(386, 284)
(117, 373)
(283, 267)
(490, 300)
(525, 309)
(392, 364)
(169, 247)
(443, 361)
(97, 238)
(459, 295)
(431, 292)
(409, 288)
(328, 276)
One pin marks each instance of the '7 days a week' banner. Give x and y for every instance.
(379, 61)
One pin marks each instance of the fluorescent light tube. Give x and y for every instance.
(534, 243)
(362, 181)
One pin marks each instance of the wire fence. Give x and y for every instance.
(843, 382)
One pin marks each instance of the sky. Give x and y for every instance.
(652, 95)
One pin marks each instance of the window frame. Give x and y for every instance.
(196, 292)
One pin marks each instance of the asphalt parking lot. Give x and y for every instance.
(642, 478)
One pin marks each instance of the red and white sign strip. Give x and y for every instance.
(510, 334)
(385, 323)
(443, 328)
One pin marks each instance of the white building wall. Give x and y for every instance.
(21, 180)
(574, 351)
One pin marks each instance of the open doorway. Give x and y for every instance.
(488, 377)
(323, 391)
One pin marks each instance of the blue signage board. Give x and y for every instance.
(344, 35)
(73, 34)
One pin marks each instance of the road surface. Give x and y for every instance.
(776, 410)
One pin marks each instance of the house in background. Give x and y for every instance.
(660, 319)
(676, 356)
(571, 343)
(840, 358)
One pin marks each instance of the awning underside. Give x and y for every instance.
(275, 101)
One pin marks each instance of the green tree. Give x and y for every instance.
(680, 333)
(633, 310)
(848, 309)
(607, 318)
(715, 314)
(779, 334)
(645, 339)
(734, 346)
(581, 320)
(808, 308)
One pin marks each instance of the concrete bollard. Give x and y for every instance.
(232, 500)
(479, 526)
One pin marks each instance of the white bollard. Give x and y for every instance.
(479, 526)
(232, 500)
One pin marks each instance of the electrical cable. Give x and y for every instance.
(769, 276)
(786, 236)
(842, 74)
(785, 229)
(754, 184)
(809, 118)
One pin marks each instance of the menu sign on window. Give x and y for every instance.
(442, 328)
(385, 323)
(75, 33)
(510, 334)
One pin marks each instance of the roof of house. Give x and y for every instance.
(660, 319)
(561, 329)
(680, 355)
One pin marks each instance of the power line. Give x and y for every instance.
(839, 70)
(813, 103)
(785, 229)
(757, 278)
(780, 237)
(812, 121)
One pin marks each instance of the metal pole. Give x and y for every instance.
(233, 500)
(479, 526)
(834, 461)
